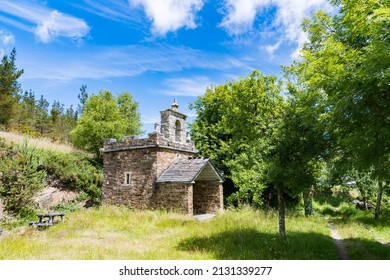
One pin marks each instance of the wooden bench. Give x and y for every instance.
(47, 219)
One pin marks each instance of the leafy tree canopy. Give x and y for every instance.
(260, 138)
(104, 117)
(346, 70)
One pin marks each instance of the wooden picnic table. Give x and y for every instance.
(47, 219)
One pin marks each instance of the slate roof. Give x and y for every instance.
(187, 170)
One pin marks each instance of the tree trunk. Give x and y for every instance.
(281, 213)
(378, 201)
(365, 202)
(308, 201)
(363, 192)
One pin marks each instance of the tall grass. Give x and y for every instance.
(364, 237)
(120, 233)
(43, 143)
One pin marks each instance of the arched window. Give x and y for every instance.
(178, 131)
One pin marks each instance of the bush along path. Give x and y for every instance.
(341, 249)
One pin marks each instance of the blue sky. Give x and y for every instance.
(156, 49)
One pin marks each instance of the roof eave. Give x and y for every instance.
(221, 179)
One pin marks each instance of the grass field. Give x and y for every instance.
(119, 233)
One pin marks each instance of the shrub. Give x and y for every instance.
(76, 171)
(20, 177)
(328, 210)
(23, 169)
(348, 209)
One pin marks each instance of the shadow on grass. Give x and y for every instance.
(363, 249)
(366, 218)
(251, 244)
(334, 199)
(369, 220)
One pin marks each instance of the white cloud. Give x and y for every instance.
(292, 12)
(60, 25)
(194, 86)
(124, 61)
(6, 38)
(48, 24)
(115, 10)
(270, 49)
(170, 15)
(240, 16)
(300, 40)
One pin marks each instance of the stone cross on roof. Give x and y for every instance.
(174, 105)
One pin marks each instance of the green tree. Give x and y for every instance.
(83, 97)
(346, 69)
(25, 112)
(68, 123)
(41, 117)
(56, 117)
(363, 182)
(232, 127)
(102, 118)
(128, 108)
(260, 138)
(294, 161)
(9, 87)
(21, 177)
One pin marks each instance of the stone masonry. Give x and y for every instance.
(174, 196)
(207, 197)
(134, 168)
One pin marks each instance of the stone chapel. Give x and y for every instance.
(161, 171)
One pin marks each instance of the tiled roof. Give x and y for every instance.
(186, 170)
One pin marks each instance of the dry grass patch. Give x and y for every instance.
(42, 143)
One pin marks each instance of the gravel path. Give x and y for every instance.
(341, 249)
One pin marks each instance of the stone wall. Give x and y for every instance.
(154, 139)
(169, 118)
(208, 197)
(142, 165)
(174, 197)
(166, 157)
(130, 141)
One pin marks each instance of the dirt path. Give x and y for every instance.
(341, 249)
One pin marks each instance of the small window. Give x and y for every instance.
(127, 179)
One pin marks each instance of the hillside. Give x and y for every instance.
(37, 174)
(42, 143)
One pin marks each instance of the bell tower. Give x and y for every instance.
(173, 124)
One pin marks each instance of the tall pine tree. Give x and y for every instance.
(9, 87)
